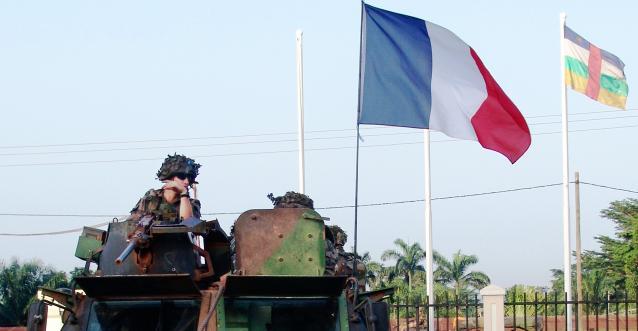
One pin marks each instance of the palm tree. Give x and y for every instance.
(457, 274)
(407, 259)
(376, 275)
(372, 269)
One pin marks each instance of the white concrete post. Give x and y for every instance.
(493, 308)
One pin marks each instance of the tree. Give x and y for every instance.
(374, 271)
(612, 269)
(526, 293)
(596, 285)
(407, 259)
(456, 272)
(558, 280)
(19, 284)
(619, 256)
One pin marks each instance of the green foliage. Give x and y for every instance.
(613, 269)
(403, 294)
(78, 272)
(558, 280)
(19, 284)
(407, 259)
(377, 276)
(454, 281)
(525, 293)
(620, 254)
(595, 283)
(456, 273)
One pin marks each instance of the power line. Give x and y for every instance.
(201, 145)
(589, 120)
(609, 187)
(62, 215)
(445, 198)
(276, 133)
(237, 213)
(586, 113)
(51, 233)
(250, 142)
(591, 129)
(182, 139)
(319, 208)
(200, 156)
(279, 151)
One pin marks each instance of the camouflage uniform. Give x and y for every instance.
(332, 256)
(334, 249)
(336, 257)
(153, 203)
(342, 262)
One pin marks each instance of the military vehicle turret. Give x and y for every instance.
(271, 274)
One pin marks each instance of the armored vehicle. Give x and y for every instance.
(270, 274)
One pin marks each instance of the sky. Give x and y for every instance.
(94, 95)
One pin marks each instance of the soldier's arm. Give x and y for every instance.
(185, 207)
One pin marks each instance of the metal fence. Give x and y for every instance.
(450, 313)
(540, 311)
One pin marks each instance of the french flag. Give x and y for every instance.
(417, 74)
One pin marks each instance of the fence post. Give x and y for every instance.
(493, 308)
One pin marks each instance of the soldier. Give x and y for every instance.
(334, 248)
(292, 200)
(343, 262)
(172, 203)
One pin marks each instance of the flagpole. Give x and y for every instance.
(356, 174)
(567, 266)
(356, 214)
(428, 231)
(300, 113)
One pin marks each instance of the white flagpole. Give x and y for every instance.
(300, 119)
(428, 231)
(567, 266)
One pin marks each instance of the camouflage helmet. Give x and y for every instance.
(340, 236)
(292, 200)
(178, 164)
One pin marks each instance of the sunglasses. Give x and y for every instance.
(182, 176)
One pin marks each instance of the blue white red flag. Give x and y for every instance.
(417, 74)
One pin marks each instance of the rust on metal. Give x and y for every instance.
(255, 239)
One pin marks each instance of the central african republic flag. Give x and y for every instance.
(594, 71)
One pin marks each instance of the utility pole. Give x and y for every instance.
(579, 272)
